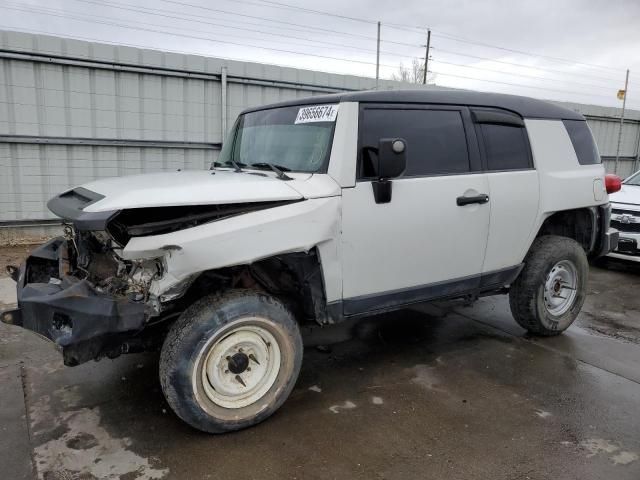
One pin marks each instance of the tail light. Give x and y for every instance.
(612, 183)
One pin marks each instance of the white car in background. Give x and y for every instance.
(625, 217)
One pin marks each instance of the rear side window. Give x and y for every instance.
(503, 138)
(506, 147)
(583, 142)
(436, 140)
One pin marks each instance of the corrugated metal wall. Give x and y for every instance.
(73, 111)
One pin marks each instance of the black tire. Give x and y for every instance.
(203, 328)
(527, 300)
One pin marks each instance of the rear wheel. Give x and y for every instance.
(230, 360)
(549, 293)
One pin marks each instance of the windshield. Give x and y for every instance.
(292, 138)
(633, 180)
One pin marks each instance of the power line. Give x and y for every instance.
(154, 11)
(308, 40)
(226, 12)
(130, 7)
(417, 29)
(522, 75)
(521, 52)
(90, 39)
(522, 65)
(164, 32)
(518, 84)
(316, 42)
(123, 44)
(367, 37)
(274, 4)
(65, 15)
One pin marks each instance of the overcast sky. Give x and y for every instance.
(574, 50)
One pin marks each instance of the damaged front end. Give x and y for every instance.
(76, 291)
(120, 274)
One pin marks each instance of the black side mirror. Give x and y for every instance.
(392, 157)
(392, 162)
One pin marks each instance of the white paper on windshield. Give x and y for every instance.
(317, 113)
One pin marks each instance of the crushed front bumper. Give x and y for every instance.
(69, 311)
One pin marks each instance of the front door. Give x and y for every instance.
(429, 240)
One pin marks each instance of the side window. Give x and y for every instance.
(582, 141)
(436, 140)
(506, 147)
(503, 137)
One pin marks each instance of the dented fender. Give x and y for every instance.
(247, 238)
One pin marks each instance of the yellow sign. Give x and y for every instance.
(621, 94)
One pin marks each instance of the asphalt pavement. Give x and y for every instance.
(444, 391)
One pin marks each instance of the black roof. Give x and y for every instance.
(524, 106)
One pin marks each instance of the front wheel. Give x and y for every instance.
(549, 293)
(230, 360)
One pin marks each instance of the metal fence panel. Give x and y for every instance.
(606, 135)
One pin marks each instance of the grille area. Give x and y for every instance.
(632, 223)
(626, 227)
(619, 211)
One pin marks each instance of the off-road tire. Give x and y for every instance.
(526, 295)
(182, 353)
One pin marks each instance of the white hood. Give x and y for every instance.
(200, 187)
(629, 196)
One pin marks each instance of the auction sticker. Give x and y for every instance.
(317, 113)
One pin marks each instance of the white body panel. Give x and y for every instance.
(316, 186)
(514, 203)
(342, 162)
(420, 237)
(247, 238)
(201, 187)
(564, 183)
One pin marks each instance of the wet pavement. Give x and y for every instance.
(442, 391)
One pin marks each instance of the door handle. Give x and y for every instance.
(462, 201)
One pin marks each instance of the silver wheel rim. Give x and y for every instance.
(561, 287)
(239, 366)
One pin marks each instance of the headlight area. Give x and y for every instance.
(95, 257)
(78, 292)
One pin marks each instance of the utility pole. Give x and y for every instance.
(624, 104)
(378, 58)
(426, 56)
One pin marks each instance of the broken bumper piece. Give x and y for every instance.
(85, 323)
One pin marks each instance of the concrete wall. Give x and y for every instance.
(73, 111)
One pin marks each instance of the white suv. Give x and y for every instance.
(320, 210)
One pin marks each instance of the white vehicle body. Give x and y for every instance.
(340, 218)
(625, 217)
(320, 210)
(372, 255)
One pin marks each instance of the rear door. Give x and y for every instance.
(423, 243)
(514, 185)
